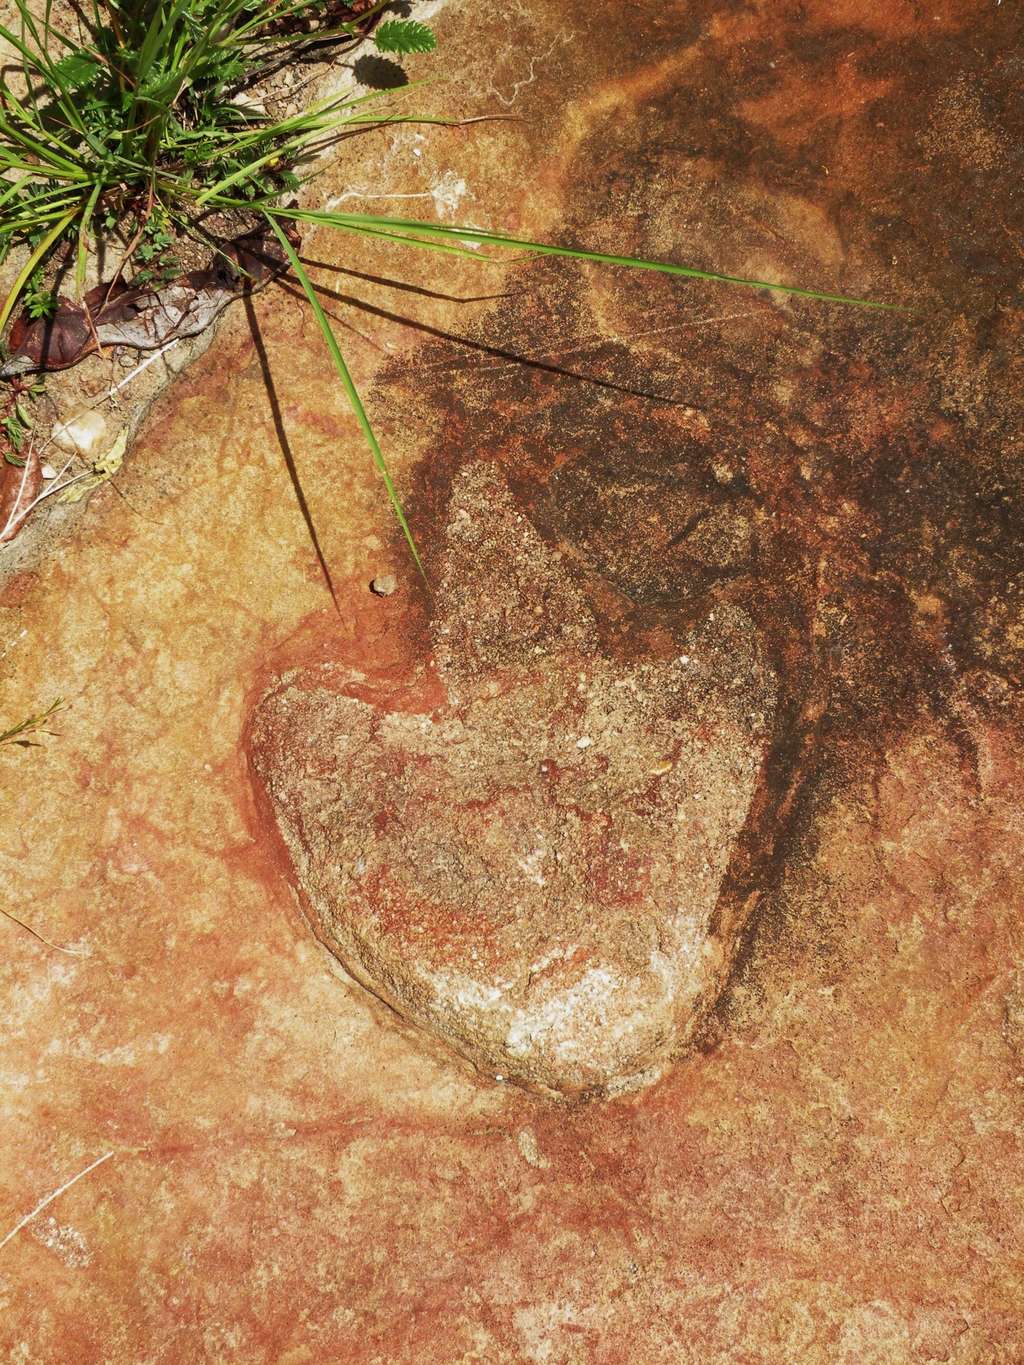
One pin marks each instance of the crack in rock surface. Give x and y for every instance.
(530, 869)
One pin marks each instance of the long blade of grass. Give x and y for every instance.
(34, 61)
(317, 137)
(266, 50)
(82, 256)
(26, 133)
(322, 110)
(280, 151)
(32, 217)
(41, 63)
(498, 239)
(286, 11)
(36, 173)
(160, 30)
(312, 216)
(355, 401)
(15, 188)
(37, 255)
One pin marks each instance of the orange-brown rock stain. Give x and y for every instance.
(837, 1175)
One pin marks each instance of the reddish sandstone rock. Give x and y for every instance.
(531, 871)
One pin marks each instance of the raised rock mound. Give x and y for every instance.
(532, 870)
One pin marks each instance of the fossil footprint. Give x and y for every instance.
(532, 870)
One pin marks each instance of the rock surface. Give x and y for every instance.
(834, 1173)
(532, 868)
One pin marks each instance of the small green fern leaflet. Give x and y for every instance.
(351, 393)
(404, 36)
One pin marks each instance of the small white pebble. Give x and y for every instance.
(584, 743)
(684, 658)
(48, 471)
(384, 585)
(82, 435)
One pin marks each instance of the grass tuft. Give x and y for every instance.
(135, 128)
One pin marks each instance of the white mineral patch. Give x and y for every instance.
(563, 1015)
(448, 193)
(63, 1239)
(464, 991)
(531, 866)
(526, 1141)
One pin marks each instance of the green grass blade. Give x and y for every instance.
(24, 133)
(286, 11)
(350, 389)
(323, 111)
(81, 259)
(331, 220)
(302, 146)
(33, 218)
(41, 64)
(264, 49)
(288, 151)
(466, 234)
(158, 35)
(36, 173)
(37, 255)
(13, 189)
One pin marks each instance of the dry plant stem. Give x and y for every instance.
(71, 952)
(17, 513)
(129, 251)
(44, 1203)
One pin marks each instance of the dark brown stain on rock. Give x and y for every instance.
(851, 479)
